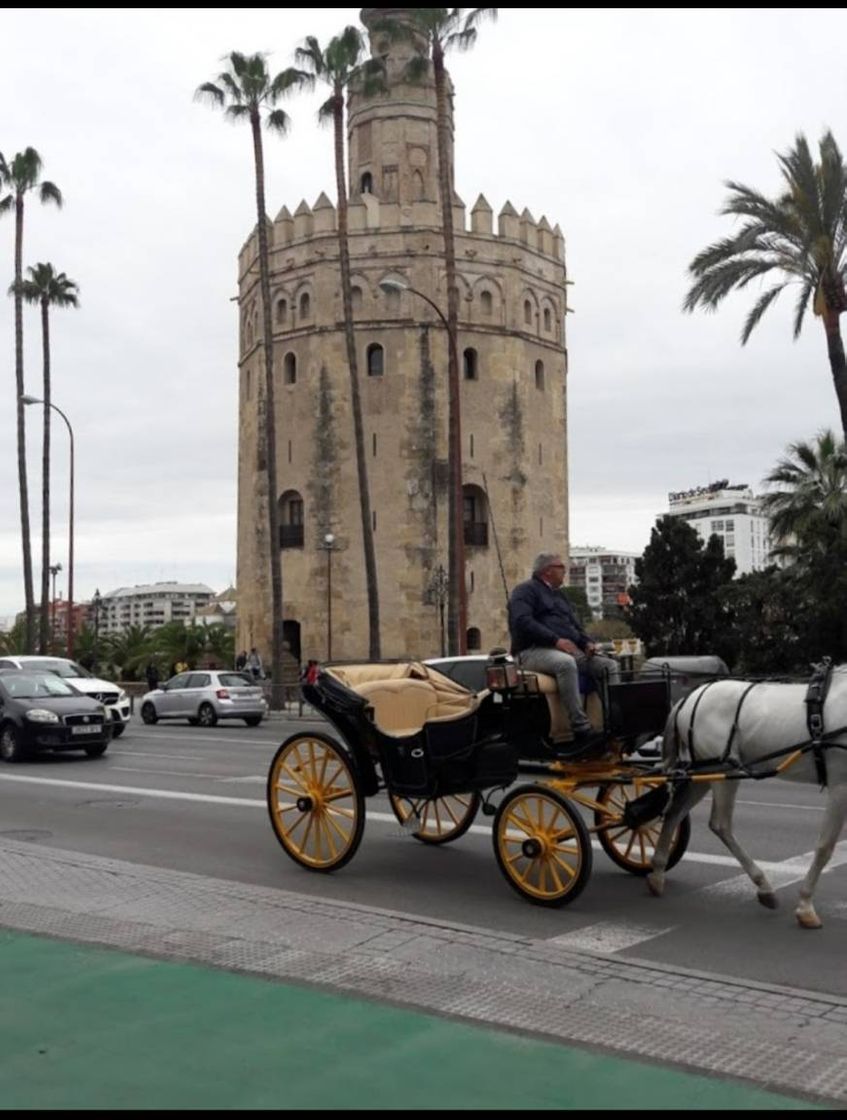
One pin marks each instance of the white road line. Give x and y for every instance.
(608, 937)
(164, 755)
(784, 805)
(782, 874)
(167, 773)
(253, 803)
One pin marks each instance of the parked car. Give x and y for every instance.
(42, 711)
(113, 698)
(205, 697)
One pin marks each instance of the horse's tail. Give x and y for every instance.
(670, 737)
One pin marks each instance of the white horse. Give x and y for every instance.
(772, 718)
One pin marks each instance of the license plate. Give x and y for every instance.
(95, 730)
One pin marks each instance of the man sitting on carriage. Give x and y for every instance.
(547, 637)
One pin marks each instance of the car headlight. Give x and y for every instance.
(122, 697)
(41, 715)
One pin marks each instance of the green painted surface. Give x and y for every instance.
(92, 1028)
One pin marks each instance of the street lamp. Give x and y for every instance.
(54, 571)
(26, 399)
(328, 546)
(95, 602)
(437, 590)
(457, 610)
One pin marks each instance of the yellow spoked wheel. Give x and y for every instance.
(633, 848)
(542, 846)
(442, 819)
(315, 802)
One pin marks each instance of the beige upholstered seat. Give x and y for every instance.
(406, 696)
(560, 724)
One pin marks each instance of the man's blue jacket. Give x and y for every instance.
(539, 616)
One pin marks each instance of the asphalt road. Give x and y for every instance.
(192, 799)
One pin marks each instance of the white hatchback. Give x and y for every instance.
(205, 696)
(113, 698)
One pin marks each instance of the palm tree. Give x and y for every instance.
(245, 91)
(341, 66)
(128, 649)
(801, 235)
(220, 644)
(49, 289)
(20, 177)
(808, 515)
(434, 32)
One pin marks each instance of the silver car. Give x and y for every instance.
(205, 696)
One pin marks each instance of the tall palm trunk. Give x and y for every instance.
(19, 385)
(456, 614)
(43, 631)
(270, 415)
(837, 362)
(374, 647)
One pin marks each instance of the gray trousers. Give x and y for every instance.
(565, 668)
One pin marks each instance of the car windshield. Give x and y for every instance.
(236, 680)
(29, 686)
(57, 665)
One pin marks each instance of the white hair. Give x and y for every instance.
(544, 560)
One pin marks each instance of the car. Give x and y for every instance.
(113, 698)
(41, 711)
(205, 696)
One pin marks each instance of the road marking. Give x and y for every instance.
(170, 773)
(782, 874)
(608, 937)
(165, 754)
(784, 805)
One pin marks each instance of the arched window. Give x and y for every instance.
(281, 311)
(547, 320)
(356, 294)
(471, 364)
(366, 185)
(527, 312)
(376, 360)
(475, 516)
(305, 306)
(474, 638)
(289, 369)
(539, 375)
(418, 187)
(291, 520)
(486, 301)
(392, 299)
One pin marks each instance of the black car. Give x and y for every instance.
(40, 711)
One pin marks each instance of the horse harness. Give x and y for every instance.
(819, 738)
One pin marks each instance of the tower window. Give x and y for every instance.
(374, 444)
(248, 384)
(305, 306)
(289, 369)
(366, 185)
(527, 312)
(376, 360)
(470, 359)
(486, 301)
(539, 375)
(547, 319)
(356, 294)
(474, 638)
(281, 310)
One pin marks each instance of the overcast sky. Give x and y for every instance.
(619, 125)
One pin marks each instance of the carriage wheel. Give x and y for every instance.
(315, 802)
(442, 819)
(542, 845)
(633, 848)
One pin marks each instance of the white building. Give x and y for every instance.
(152, 604)
(606, 576)
(732, 513)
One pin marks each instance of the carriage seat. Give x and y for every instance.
(560, 724)
(405, 696)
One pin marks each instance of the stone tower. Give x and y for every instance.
(513, 364)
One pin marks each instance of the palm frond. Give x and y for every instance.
(806, 293)
(49, 192)
(759, 308)
(278, 121)
(6, 204)
(209, 92)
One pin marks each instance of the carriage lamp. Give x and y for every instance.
(501, 673)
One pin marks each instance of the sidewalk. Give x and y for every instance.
(317, 1004)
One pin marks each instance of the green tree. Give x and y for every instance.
(177, 642)
(47, 288)
(220, 644)
(128, 650)
(678, 605)
(434, 32)
(20, 177)
(247, 92)
(342, 66)
(773, 621)
(14, 640)
(578, 599)
(801, 235)
(808, 513)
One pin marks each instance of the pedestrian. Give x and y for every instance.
(241, 661)
(310, 673)
(152, 675)
(254, 664)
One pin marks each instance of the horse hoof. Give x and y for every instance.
(655, 886)
(768, 899)
(809, 921)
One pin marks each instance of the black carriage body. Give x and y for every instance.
(461, 755)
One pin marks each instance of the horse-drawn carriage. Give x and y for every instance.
(441, 753)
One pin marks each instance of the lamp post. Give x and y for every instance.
(457, 611)
(26, 399)
(438, 589)
(54, 571)
(95, 602)
(328, 547)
